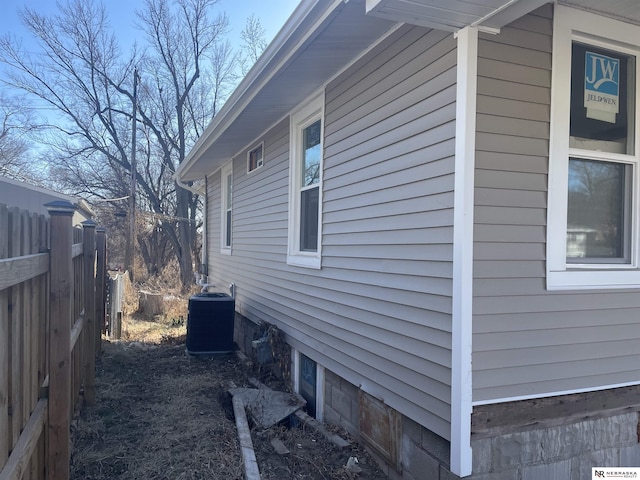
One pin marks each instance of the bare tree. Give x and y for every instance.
(85, 77)
(254, 43)
(224, 76)
(16, 122)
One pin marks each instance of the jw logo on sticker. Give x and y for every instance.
(601, 86)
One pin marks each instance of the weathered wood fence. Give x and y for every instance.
(52, 308)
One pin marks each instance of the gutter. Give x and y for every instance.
(189, 188)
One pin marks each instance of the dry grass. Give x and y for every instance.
(161, 414)
(170, 327)
(158, 415)
(157, 331)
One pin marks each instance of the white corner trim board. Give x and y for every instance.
(461, 348)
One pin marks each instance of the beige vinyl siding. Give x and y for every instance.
(378, 312)
(529, 342)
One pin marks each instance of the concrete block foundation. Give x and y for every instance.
(561, 450)
(565, 451)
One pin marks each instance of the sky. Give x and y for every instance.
(272, 14)
(121, 13)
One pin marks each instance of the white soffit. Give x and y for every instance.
(453, 15)
(625, 10)
(316, 46)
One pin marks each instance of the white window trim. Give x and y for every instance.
(569, 25)
(320, 375)
(461, 455)
(259, 165)
(310, 112)
(224, 172)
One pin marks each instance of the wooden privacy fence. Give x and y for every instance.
(52, 308)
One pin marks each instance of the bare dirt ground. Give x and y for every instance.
(161, 414)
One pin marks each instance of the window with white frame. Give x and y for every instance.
(592, 236)
(254, 158)
(226, 179)
(305, 182)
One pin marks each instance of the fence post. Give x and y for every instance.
(101, 277)
(89, 262)
(61, 275)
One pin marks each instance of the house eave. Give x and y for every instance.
(453, 15)
(488, 15)
(624, 10)
(187, 170)
(274, 86)
(318, 40)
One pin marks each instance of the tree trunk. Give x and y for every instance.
(184, 236)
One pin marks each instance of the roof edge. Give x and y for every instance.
(265, 65)
(508, 13)
(37, 188)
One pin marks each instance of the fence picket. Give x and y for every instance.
(17, 466)
(15, 333)
(34, 375)
(27, 331)
(101, 284)
(89, 294)
(4, 346)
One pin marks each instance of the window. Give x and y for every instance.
(598, 212)
(308, 379)
(308, 383)
(227, 207)
(305, 196)
(310, 187)
(592, 235)
(254, 159)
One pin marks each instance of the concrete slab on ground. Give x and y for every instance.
(268, 407)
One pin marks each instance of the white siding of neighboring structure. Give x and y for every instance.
(378, 312)
(529, 342)
(14, 193)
